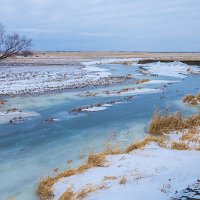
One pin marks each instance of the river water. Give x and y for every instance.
(31, 150)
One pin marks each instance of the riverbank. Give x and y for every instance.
(44, 145)
(157, 165)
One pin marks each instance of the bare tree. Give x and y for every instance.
(11, 45)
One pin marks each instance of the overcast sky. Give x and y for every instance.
(133, 25)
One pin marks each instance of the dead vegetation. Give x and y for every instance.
(191, 99)
(160, 124)
(142, 81)
(143, 143)
(166, 123)
(68, 194)
(83, 193)
(106, 178)
(123, 180)
(94, 160)
(2, 102)
(179, 146)
(191, 135)
(126, 63)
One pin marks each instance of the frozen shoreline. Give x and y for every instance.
(18, 116)
(20, 79)
(33, 79)
(146, 169)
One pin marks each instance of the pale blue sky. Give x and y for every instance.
(133, 25)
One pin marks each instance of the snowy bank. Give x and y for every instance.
(162, 166)
(173, 69)
(158, 171)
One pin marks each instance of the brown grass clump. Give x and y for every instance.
(191, 99)
(164, 123)
(143, 143)
(109, 178)
(198, 97)
(89, 189)
(188, 98)
(142, 81)
(127, 63)
(123, 181)
(96, 160)
(45, 185)
(83, 193)
(191, 135)
(179, 146)
(68, 195)
(86, 190)
(193, 121)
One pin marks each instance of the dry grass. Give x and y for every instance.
(83, 193)
(86, 191)
(179, 146)
(89, 189)
(160, 124)
(123, 180)
(45, 185)
(68, 195)
(191, 99)
(191, 135)
(94, 160)
(142, 81)
(106, 178)
(166, 123)
(143, 143)
(97, 160)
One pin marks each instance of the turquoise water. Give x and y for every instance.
(35, 148)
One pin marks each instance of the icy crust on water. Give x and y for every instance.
(141, 170)
(25, 79)
(173, 69)
(31, 79)
(16, 116)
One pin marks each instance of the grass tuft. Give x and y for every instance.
(143, 143)
(179, 146)
(106, 178)
(123, 180)
(191, 99)
(68, 195)
(166, 123)
(142, 81)
(97, 160)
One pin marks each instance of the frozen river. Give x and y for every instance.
(37, 148)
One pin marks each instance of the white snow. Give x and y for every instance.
(5, 116)
(152, 173)
(110, 61)
(29, 79)
(134, 91)
(160, 82)
(173, 69)
(95, 109)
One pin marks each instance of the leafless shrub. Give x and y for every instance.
(12, 44)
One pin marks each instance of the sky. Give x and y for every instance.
(112, 25)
